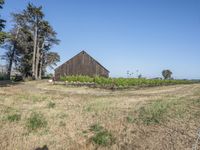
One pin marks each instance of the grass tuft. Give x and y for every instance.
(96, 128)
(153, 113)
(130, 119)
(51, 105)
(14, 117)
(103, 138)
(196, 102)
(36, 121)
(62, 124)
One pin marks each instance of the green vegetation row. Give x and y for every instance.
(123, 82)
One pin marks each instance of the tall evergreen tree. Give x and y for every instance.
(32, 42)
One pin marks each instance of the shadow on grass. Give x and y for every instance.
(7, 83)
(42, 148)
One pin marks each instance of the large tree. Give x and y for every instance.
(46, 39)
(34, 16)
(32, 42)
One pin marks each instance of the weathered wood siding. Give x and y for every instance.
(81, 64)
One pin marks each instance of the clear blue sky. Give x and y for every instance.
(144, 35)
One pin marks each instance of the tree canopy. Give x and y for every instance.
(30, 42)
(2, 25)
(167, 74)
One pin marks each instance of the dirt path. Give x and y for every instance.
(44, 86)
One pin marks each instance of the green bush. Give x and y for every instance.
(51, 105)
(14, 117)
(123, 82)
(102, 137)
(36, 121)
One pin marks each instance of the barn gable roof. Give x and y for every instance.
(83, 52)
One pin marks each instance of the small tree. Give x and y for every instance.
(139, 76)
(167, 74)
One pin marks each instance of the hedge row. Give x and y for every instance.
(123, 82)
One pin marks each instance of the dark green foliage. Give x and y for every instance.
(14, 117)
(123, 82)
(51, 105)
(51, 59)
(167, 74)
(3, 76)
(2, 22)
(102, 137)
(29, 43)
(17, 78)
(36, 121)
(3, 35)
(1, 3)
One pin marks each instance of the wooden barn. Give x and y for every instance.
(81, 64)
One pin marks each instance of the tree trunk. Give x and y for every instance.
(41, 66)
(37, 61)
(41, 62)
(34, 52)
(10, 64)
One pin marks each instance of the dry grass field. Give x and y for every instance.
(35, 114)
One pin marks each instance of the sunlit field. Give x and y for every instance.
(39, 114)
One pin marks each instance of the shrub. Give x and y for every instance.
(18, 78)
(35, 121)
(51, 105)
(103, 138)
(14, 117)
(123, 82)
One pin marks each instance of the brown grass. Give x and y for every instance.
(150, 118)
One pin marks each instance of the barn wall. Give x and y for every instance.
(81, 64)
